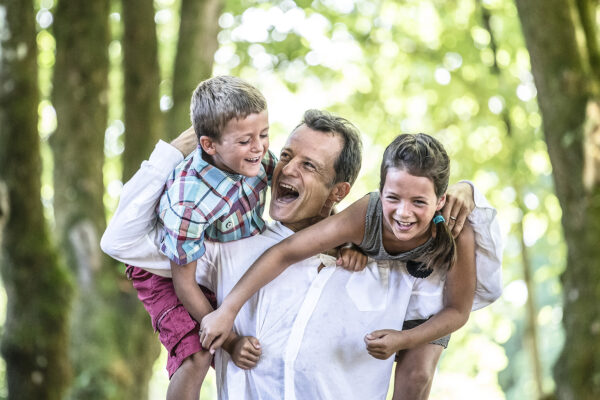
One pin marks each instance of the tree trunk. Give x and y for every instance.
(143, 127)
(80, 99)
(558, 70)
(143, 118)
(35, 336)
(194, 60)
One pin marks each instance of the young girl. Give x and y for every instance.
(401, 222)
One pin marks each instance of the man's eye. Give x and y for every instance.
(309, 165)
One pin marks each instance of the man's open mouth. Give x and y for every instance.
(286, 193)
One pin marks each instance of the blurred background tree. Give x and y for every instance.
(111, 77)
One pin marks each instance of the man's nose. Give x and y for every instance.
(290, 168)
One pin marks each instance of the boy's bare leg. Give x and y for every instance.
(187, 380)
(414, 372)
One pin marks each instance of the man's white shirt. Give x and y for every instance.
(310, 324)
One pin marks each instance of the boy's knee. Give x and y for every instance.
(200, 360)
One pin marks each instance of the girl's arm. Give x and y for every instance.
(347, 226)
(459, 291)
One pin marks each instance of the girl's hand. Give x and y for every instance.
(215, 328)
(384, 343)
(351, 258)
(459, 204)
(246, 352)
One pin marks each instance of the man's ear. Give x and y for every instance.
(441, 202)
(208, 145)
(339, 191)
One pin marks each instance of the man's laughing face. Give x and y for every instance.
(303, 178)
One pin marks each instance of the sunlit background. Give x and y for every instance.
(457, 70)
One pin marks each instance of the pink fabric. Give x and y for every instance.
(177, 330)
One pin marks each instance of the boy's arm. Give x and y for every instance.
(458, 298)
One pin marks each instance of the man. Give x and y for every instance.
(311, 320)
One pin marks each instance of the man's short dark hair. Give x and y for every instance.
(218, 100)
(348, 163)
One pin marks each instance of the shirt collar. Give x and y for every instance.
(201, 164)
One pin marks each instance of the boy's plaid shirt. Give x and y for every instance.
(201, 201)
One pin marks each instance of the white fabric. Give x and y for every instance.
(310, 324)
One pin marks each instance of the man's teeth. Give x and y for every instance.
(288, 187)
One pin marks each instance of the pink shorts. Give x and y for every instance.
(177, 330)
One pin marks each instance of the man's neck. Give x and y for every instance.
(299, 225)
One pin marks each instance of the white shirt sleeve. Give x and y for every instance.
(488, 250)
(131, 235)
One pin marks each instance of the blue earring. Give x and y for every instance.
(438, 218)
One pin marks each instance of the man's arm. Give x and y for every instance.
(466, 203)
(131, 234)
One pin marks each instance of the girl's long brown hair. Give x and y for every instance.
(422, 155)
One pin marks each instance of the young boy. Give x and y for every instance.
(216, 193)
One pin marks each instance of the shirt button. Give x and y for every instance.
(229, 225)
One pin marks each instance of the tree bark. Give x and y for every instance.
(196, 48)
(562, 84)
(80, 98)
(143, 118)
(143, 127)
(35, 336)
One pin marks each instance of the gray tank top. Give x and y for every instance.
(372, 243)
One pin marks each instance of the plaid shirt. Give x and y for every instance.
(201, 200)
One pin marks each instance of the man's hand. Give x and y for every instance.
(186, 142)
(215, 328)
(459, 204)
(351, 258)
(245, 352)
(384, 343)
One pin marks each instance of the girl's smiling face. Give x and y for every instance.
(409, 203)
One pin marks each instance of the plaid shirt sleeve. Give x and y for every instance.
(185, 219)
(269, 161)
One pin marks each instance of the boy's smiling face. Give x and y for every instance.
(242, 146)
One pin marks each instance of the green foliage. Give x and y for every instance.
(393, 67)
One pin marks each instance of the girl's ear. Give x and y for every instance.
(441, 202)
(208, 145)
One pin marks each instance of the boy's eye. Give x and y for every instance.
(264, 135)
(245, 141)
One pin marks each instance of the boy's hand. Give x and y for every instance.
(384, 343)
(459, 204)
(186, 142)
(215, 328)
(351, 258)
(245, 352)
